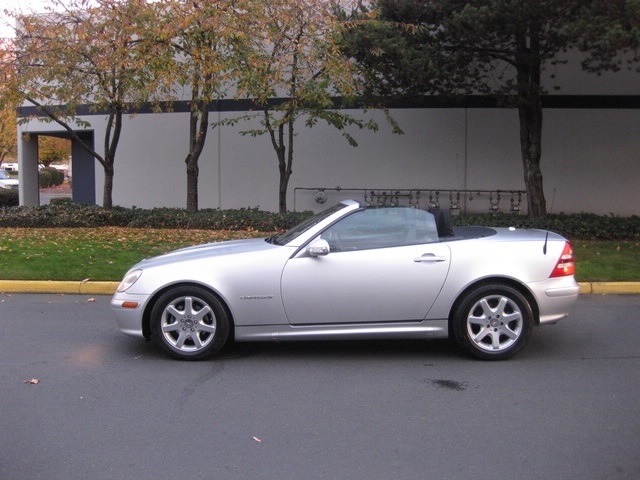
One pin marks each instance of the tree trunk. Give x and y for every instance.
(284, 167)
(530, 115)
(196, 144)
(285, 159)
(198, 129)
(282, 198)
(111, 140)
(530, 147)
(107, 194)
(193, 172)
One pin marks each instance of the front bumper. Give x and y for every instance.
(129, 319)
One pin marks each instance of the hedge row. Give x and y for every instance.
(65, 214)
(582, 226)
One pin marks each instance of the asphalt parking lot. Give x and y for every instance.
(80, 400)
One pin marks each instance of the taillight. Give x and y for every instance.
(566, 263)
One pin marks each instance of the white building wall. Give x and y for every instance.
(590, 157)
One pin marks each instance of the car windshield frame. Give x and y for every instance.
(306, 225)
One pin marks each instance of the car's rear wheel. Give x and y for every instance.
(492, 322)
(190, 323)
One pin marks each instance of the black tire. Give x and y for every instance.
(190, 323)
(492, 322)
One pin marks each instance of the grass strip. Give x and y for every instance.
(607, 261)
(106, 253)
(100, 254)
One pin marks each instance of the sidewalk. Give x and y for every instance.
(109, 288)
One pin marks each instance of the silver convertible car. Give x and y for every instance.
(354, 272)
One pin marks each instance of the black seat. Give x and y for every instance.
(444, 222)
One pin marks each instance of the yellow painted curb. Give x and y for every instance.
(47, 286)
(585, 288)
(604, 288)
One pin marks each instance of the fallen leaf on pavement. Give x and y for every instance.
(33, 381)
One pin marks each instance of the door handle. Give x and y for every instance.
(429, 258)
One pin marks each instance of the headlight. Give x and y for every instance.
(129, 279)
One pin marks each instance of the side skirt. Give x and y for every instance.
(365, 331)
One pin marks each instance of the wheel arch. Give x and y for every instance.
(146, 316)
(506, 281)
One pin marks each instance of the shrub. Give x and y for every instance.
(50, 177)
(45, 178)
(583, 226)
(61, 201)
(58, 177)
(65, 214)
(215, 219)
(8, 198)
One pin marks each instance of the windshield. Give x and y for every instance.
(4, 175)
(304, 226)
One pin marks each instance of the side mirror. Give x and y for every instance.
(318, 248)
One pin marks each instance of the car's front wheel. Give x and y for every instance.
(190, 323)
(492, 322)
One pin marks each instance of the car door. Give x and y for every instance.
(381, 267)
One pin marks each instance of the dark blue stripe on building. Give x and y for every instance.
(467, 101)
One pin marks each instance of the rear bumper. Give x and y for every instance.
(556, 297)
(571, 291)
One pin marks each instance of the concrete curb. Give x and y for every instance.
(109, 288)
(610, 288)
(47, 286)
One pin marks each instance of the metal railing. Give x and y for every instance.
(456, 200)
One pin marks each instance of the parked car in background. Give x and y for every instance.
(10, 167)
(7, 182)
(354, 272)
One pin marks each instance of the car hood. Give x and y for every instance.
(207, 250)
(9, 181)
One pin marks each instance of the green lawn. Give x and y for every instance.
(91, 253)
(107, 253)
(611, 261)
